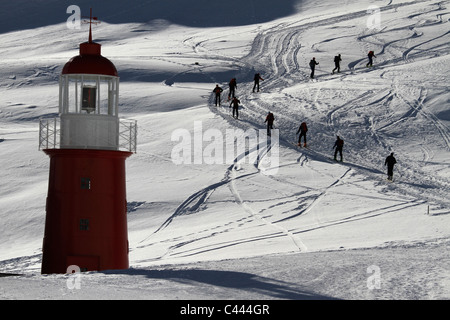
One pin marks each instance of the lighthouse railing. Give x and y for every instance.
(50, 134)
(128, 135)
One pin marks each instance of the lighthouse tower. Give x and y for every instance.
(86, 222)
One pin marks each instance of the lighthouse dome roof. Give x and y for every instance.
(90, 61)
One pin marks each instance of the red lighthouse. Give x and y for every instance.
(86, 222)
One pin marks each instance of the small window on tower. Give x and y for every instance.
(84, 224)
(86, 183)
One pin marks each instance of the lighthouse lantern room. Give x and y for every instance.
(86, 223)
(89, 90)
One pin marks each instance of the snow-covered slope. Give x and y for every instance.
(234, 230)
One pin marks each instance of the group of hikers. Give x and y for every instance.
(231, 97)
(232, 89)
(303, 129)
(337, 63)
(338, 145)
(257, 78)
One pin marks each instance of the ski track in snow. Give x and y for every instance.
(238, 198)
(193, 203)
(285, 40)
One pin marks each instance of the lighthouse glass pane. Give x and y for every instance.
(89, 99)
(89, 94)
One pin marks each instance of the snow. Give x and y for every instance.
(309, 228)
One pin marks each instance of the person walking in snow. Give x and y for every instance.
(233, 86)
(217, 90)
(371, 55)
(337, 63)
(256, 81)
(312, 65)
(390, 161)
(235, 105)
(338, 145)
(269, 119)
(302, 130)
